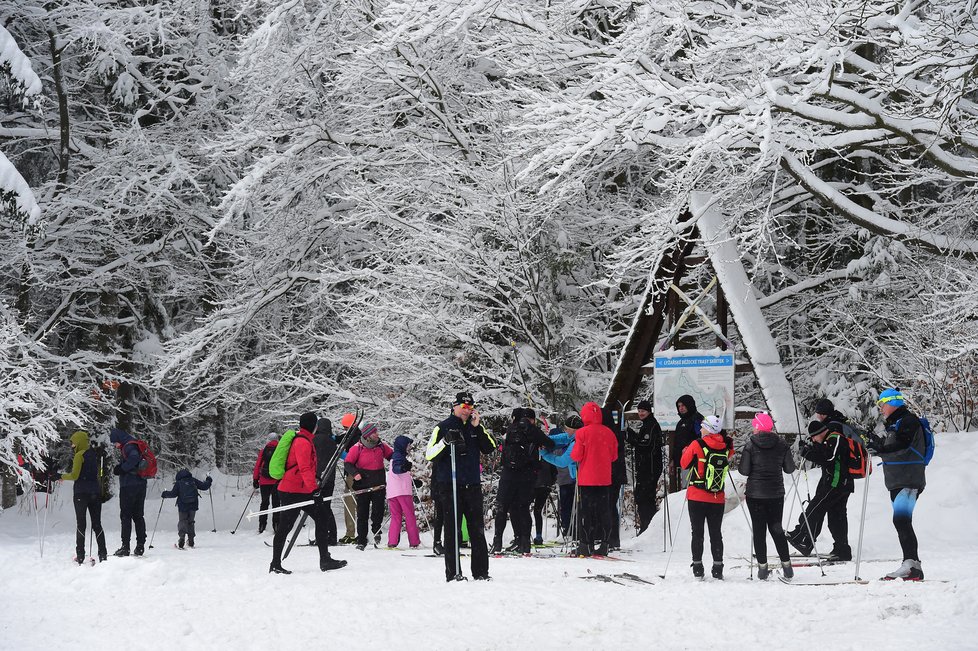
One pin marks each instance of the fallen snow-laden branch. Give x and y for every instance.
(804, 286)
(873, 221)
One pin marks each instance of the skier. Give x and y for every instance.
(706, 461)
(828, 450)
(87, 495)
(185, 490)
(298, 485)
(619, 477)
(563, 438)
(687, 430)
(132, 493)
(542, 489)
(520, 463)
(647, 446)
(902, 451)
(326, 444)
(595, 450)
(762, 461)
(462, 435)
(265, 483)
(365, 463)
(400, 493)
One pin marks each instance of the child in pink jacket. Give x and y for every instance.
(400, 495)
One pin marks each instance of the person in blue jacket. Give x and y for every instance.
(563, 438)
(132, 493)
(185, 490)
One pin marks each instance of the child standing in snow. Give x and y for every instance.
(185, 490)
(706, 460)
(763, 460)
(400, 484)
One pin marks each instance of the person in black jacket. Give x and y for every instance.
(902, 451)
(687, 430)
(647, 446)
(185, 489)
(828, 450)
(520, 463)
(325, 443)
(87, 494)
(762, 461)
(619, 477)
(463, 434)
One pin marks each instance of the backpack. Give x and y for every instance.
(716, 467)
(103, 473)
(276, 465)
(266, 460)
(147, 460)
(519, 451)
(187, 492)
(929, 444)
(858, 461)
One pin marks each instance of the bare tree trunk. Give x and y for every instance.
(64, 151)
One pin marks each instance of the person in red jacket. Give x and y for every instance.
(266, 483)
(299, 484)
(707, 459)
(595, 449)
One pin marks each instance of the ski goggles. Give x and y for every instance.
(886, 399)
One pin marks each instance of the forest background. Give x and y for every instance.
(220, 213)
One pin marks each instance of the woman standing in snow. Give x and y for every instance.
(763, 460)
(706, 459)
(365, 463)
(87, 495)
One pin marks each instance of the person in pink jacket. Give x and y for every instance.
(365, 463)
(400, 494)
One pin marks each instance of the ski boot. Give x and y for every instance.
(437, 548)
(762, 571)
(698, 571)
(538, 540)
(361, 547)
(180, 543)
(138, 550)
(190, 542)
(122, 551)
(331, 564)
(910, 570)
(717, 571)
(787, 570)
(497, 547)
(276, 568)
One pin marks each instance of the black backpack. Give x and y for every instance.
(266, 459)
(103, 464)
(187, 489)
(519, 450)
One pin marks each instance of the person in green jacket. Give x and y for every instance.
(87, 497)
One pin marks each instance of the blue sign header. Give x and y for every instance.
(687, 362)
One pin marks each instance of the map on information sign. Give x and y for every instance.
(706, 375)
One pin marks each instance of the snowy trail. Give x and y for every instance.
(219, 595)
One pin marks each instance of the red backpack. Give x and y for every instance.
(147, 460)
(859, 462)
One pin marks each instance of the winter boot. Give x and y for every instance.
(276, 568)
(538, 540)
(103, 556)
(138, 551)
(122, 551)
(261, 528)
(376, 537)
(438, 548)
(180, 543)
(361, 547)
(717, 571)
(524, 546)
(762, 571)
(514, 546)
(331, 564)
(787, 570)
(497, 547)
(190, 542)
(697, 569)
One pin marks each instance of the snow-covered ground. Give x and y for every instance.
(220, 596)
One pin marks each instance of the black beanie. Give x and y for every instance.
(529, 413)
(824, 406)
(518, 413)
(816, 427)
(644, 404)
(308, 421)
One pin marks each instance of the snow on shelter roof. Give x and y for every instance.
(746, 311)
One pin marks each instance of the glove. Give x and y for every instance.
(208, 479)
(254, 483)
(418, 483)
(407, 465)
(118, 469)
(873, 443)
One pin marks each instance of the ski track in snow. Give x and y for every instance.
(220, 596)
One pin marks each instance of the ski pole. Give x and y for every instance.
(678, 524)
(456, 520)
(804, 516)
(213, 517)
(299, 505)
(160, 512)
(862, 519)
(247, 504)
(750, 528)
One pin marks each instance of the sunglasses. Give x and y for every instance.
(883, 401)
(468, 405)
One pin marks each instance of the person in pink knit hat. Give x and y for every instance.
(762, 461)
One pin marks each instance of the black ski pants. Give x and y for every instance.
(614, 530)
(595, 519)
(566, 498)
(765, 516)
(89, 504)
(711, 515)
(513, 500)
(132, 501)
(370, 507)
(540, 496)
(827, 504)
(645, 494)
(287, 520)
(904, 500)
(269, 493)
(470, 506)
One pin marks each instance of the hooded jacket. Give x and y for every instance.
(595, 448)
(84, 466)
(687, 429)
(399, 478)
(300, 466)
(762, 461)
(185, 490)
(694, 458)
(647, 444)
(131, 458)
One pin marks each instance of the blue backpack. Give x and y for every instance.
(929, 445)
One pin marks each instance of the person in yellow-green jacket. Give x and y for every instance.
(87, 496)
